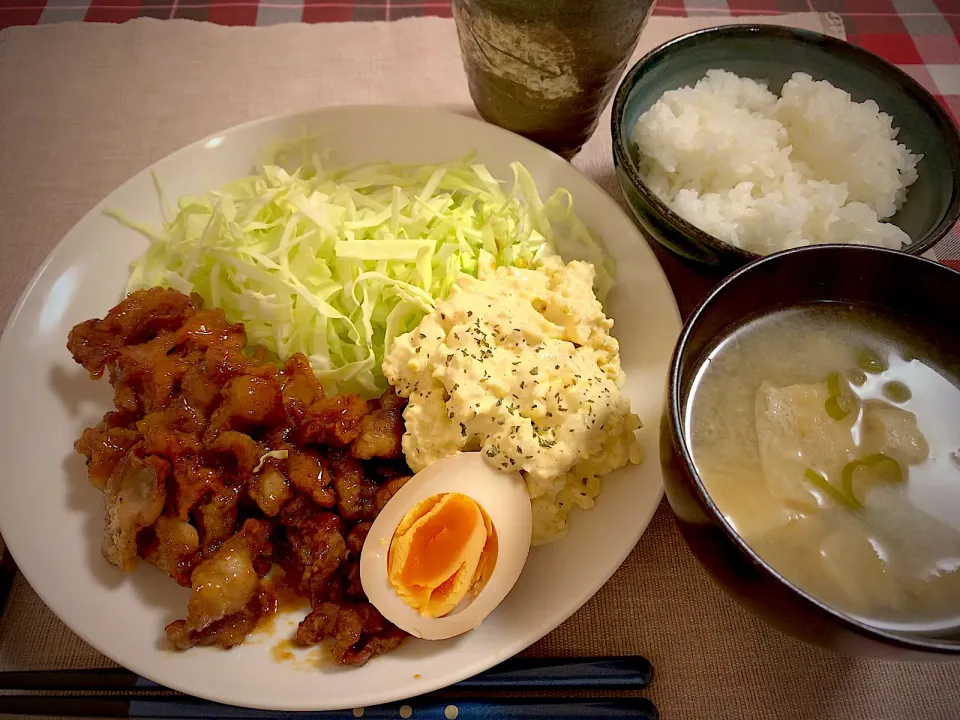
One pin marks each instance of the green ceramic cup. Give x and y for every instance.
(771, 53)
(545, 69)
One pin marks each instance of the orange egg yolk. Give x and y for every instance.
(444, 549)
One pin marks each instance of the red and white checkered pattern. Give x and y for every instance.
(920, 36)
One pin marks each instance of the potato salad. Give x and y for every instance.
(520, 365)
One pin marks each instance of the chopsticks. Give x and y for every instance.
(617, 673)
(135, 698)
(431, 709)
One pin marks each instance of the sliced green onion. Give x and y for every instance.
(835, 407)
(833, 384)
(871, 362)
(838, 405)
(896, 391)
(858, 378)
(821, 483)
(884, 469)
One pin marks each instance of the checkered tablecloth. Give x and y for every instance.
(921, 36)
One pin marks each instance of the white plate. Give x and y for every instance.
(51, 518)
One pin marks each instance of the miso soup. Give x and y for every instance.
(829, 437)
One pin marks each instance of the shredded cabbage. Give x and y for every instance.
(336, 264)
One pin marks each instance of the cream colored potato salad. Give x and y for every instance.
(520, 365)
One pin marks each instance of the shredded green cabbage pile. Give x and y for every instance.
(337, 264)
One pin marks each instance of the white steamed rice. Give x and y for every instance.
(766, 173)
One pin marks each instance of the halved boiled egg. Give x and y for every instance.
(448, 547)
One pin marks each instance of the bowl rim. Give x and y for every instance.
(920, 95)
(676, 411)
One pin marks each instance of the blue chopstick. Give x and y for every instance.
(134, 698)
(632, 672)
(602, 673)
(184, 708)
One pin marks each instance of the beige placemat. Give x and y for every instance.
(83, 107)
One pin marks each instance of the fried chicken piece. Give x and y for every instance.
(178, 416)
(386, 491)
(309, 474)
(269, 489)
(356, 537)
(228, 632)
(263, 565)
(348, 629)
(119, 419)
(351, 570)
(334, 420)
(318, 625)
(353, 587)
(280, 437)
(146, 354)
(195, 414)
(390, 638)
(171, 432)
(198, 390)
(381, 431)
(138, 318)
(214, 355)
(134, 498)
(150, 370)
(225, 583)
(170, 443)
(300, 386)
(209, 328)
(223, 363)
(297, 511)
(355, 492)
(103, 448)
(362, 632)
(195, 484)
(248, 402)
(125, 398)
(382, 470)
(244, 451)
(303, 470)
(217, 518)
(318, 549)
(335, 591)
(173, 548)
(391, 401)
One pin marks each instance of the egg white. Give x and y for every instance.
(504, 498)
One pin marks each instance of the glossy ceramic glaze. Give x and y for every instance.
(546, 68)
(52, 519)
(828, 272)
(773, 54)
